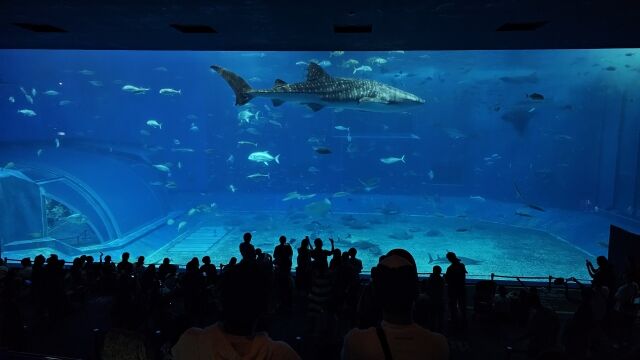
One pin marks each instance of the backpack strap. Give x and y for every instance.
(383, 342)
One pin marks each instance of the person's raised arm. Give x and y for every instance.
(591, 269)
(332, 246)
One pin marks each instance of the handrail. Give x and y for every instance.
(491, 276)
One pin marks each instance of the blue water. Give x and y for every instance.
(576, 157)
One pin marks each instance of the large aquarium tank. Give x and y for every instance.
(518, 161)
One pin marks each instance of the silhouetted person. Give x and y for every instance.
(625, 309)
(603, 275)
(282, 256)
(542, 329)
(209, 270)
(394, 283)
(303, 268)
(356, 263)
(244, 298)
(577, 331)
(247, 251)
(434, 287)
(456, 279)
(193, 283)
(232, 262)
(165, 269)
(320, 254)
(125, 267)
(139, 267)
(27, 269)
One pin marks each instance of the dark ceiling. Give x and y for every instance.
(319, 25)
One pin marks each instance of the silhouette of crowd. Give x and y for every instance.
(322, 308)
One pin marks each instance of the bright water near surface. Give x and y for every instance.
(517, 160)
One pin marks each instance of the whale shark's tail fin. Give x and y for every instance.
(239, 86)
(430, 259)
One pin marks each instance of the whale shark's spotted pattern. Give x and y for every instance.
(322, 90)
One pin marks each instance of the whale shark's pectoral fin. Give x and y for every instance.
(277, 102)
(314, 107)
(376, 100)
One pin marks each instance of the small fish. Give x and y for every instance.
(233, 188)
(610, 68)
(192, 211)
(181, 225)
(313, 169)
(258, 175)
(336, 53)
(176, 142)
(39, 152)
(340, 194)
(57, 142)
(34, 92)
(179, 164)
(377, 61)
(86, 72)
(51, 93)
(161, 68)
(29, 99)
(182, 150)
(536, 207)
(477, 198)
(363, 68)
(264, 157)
(170, 185)
(246, 115)
(535, 96)
(563, 137)
(322, 150)
(231, 159)
(523, 214)
(276, 123)
(134, 89)
(154, 124)
(242, 142)
(325, 63)
(350, 63)
(532, 110)
(170, 222)
(431, 174)
(462, 230)
(341, 128)
(12, 99)
(96, 83)
(163, 168)
(392, 160)
(61, 133)
(414, 136)
(27, 112)
(10, 165)
(302, 63)
(64, 102)
(169, 92)
(395, 52)
(194, 128)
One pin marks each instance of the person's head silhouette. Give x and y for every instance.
(394, 282)
(244, 291)
(437, 270)
(247, 237)
(318, 243)
(451, 256)
(283, 239)
(352, 253)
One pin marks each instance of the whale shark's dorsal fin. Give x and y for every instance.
(316, 73)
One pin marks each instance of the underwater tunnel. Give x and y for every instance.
(85, 192)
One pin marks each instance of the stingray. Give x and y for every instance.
(401, 235)
(519, 118)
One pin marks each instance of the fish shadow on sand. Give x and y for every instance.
(401, 235)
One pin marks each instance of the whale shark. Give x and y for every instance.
(320, 90)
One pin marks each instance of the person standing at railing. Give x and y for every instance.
(456, 277)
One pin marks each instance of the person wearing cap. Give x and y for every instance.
(395, 286)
